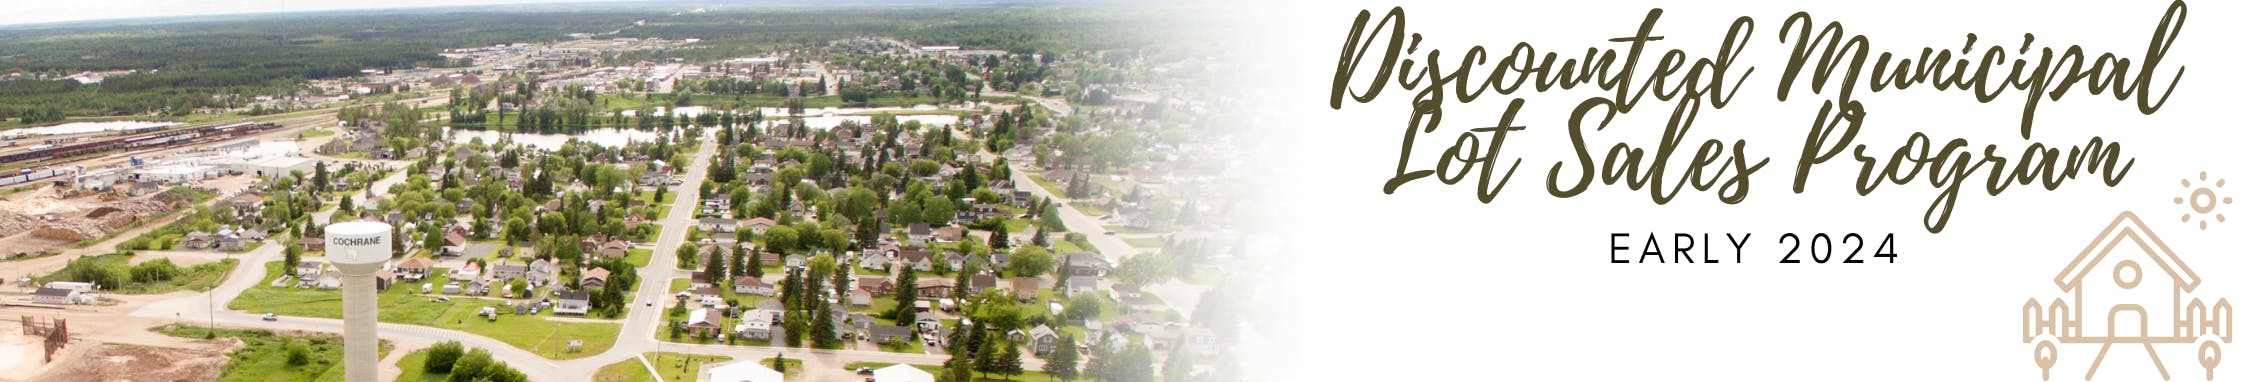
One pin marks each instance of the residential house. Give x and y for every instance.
(875, 285)
(754, 286)
(754, 329)
(541, 272)
(875, 259)
(717, 225)
(593, 278)
(935, 287)
(507, 271)
(414, 268)
(704, 322)
(919, 234)
(1076, 285)
(859, 297)
(1087, 264)
(698, 280)
(571, 304)
(981, 283)
(757, 225)
(1026, 288)
(772, 310)
(919, 260)
(949, 234)
(312, 244)
(308, 269)
(330, 280)
(455, 244)
(1042, 339)
(892, 334)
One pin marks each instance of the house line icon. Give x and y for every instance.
(2111, 299)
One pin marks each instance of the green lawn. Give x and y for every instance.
(640, 257)
(1144, 242)
(1048, 185)
(1016, 225)
(411, 368)
(1064, 246)
(663, 206)
(401, 305)
(200, 277)
(533, 333)
(677, 286)
(677, 367)
(630, 370)
(1090, 209)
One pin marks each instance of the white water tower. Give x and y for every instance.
(359, 249)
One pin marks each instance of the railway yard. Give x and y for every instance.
(68, 191)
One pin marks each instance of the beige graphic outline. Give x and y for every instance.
(2062, 319)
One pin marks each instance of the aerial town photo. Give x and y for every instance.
(624, 191)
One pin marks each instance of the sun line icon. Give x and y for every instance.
(2204, 199)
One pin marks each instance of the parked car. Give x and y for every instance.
(270, 317)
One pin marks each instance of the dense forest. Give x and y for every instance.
(182, 63)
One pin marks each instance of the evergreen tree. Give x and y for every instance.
(904, 296)
(736, 260)
(291, 255)
(752, 265)
(825, 335)
(715, 269)
(1064, 361)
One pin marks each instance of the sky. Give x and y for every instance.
(43, 11)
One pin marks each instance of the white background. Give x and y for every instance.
(1431, 283)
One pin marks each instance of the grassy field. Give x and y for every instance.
(200, 277)
(663, 206)
(534, 333)
(401, 305)
(630, 370)
(411, 368)
(1048, 185)
(640, 257)
(677, 367)
(265, 355)
(1144, 242)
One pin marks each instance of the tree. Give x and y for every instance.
(999, 240)
(1064, 361)
(778, 363)
(686, 256)
(1031, 261)
(904, 296)
(442, 356)
(716, 270)
(825, 335)
(291, 255)
(939, 211)
(752, 265)
(1005, 359)
(471, 366)
(736, 260)
(963, 280)
(781, 238)
(1178, 365)
(299, 353)
(1145, 269)
(1083, 306)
